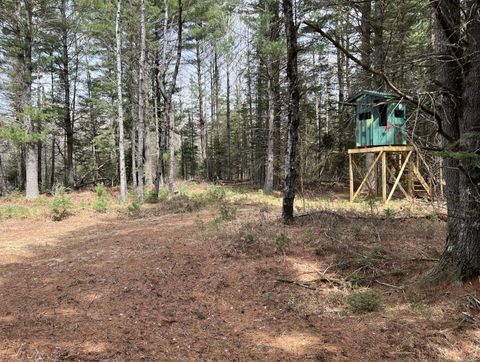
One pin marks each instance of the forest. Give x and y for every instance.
(199, 180)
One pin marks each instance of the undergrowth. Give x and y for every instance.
(102, 201)
(365, 301)
(14, 212)
(61, 205)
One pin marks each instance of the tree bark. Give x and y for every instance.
(293, 112)
(272, 89)
(201, 116)
(167, 93)
(69, 179)
(121, 135)
(459, 73)
(3, 180)
(141, 106)
(229, 127)
(25, 69)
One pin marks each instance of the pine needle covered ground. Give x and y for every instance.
(213, 274)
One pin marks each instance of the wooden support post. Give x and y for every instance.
(351, 176)
(384, 176)
(368, 174)
(399, 176)
(410, 178)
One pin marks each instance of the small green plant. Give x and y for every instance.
(162, 194)
(183, 192)
(290, 305)
(150, 197)
(247, 238)
(281, 242)
(61, 205)
(433, 216)
(134, 206)
(101, 202)
(388, 212)
(365, 301)
(228, 212)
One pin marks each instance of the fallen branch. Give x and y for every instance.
(288, 281)
(389, 285)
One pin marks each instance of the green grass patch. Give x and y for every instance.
(14, 212)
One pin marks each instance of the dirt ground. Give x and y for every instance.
(189, 286)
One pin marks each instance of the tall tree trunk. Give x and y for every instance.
(65, 77)
(293, 112)
(229, 127)
(52, 171)
(3, 180)
(250, 115)
(458, 73)
(24, 61)
(121, 135)
(272, 90)
(268, 185)
(201, 117)
(167, 94)
(141, 106)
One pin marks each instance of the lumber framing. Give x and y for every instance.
(394, 162)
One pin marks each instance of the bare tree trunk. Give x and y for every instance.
(3, 180)
(141, 106)
(293, 112)
(52, 171)
(272, 90)
(24, 63)
(201, 117)
(459, 74)
(171, 147)
(229, 127)
(149, 173)
(167, 94)
(121, 136)
(67, 119)
(268, 185)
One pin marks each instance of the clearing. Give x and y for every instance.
(218, 277)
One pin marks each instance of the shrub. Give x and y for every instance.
(365, 301)
(134, 206)
(100, 204)
(61, 205)
(228, 212)
(151, 198)
(215, 193)
(162, 194)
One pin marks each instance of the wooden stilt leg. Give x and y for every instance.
(384, 176)
(351, 176)
(410, 178)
